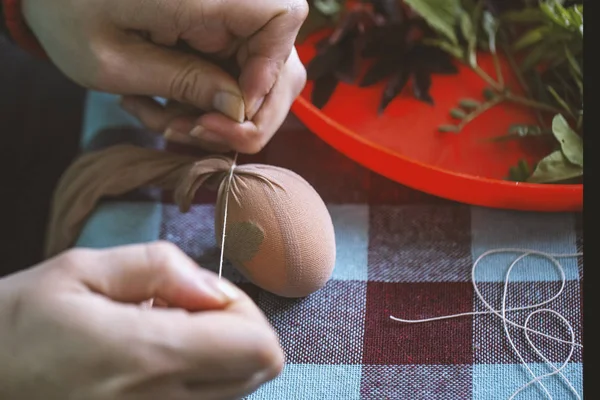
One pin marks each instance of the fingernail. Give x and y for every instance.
(170, 133)
(199, 132)
(147, 304)
(228, 289)
(254, 108)
(220, 288)
(230, 104)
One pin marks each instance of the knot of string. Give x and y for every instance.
(553, 258)
(225, 207)
(149, 303)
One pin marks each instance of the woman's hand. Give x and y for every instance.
(73, 328)
(127, 47)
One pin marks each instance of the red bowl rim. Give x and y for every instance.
(303, 108)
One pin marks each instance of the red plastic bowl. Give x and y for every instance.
(403, 144)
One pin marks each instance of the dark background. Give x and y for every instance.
(40, 121)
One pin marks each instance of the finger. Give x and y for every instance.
(287, 88)
(136, 273)
(177, 121)
(160, 303)
(157, 117)
(143, 68)
(251, 136)
(172, 135)
(266, 52)
(270, 28)
(214, 346)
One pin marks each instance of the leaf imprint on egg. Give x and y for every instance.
(242, 241)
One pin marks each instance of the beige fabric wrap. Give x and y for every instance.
(279, 231)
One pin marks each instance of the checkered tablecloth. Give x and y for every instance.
(399, 252)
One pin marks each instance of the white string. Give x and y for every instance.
(148, 304)
(225, 207)
(506, 322)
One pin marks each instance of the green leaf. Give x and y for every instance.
(524, 167)
(470, 34)
(469, 104)
(466, 26)
(578, 81)
(570, 19)
(571, 143)
(527, 15)
(448, 128)
(577, 15)
(469, 5)
(574, 15)
(572, 62)
(489, 94)
(578, 10)
(514, 174)
(455, 50)
(574, 69)
(520, 131)
(552, 12)
(441, 15)
(538, 87)
(532, 37)
(559, 99)
(545, 50)
(327, 7)
(555, 168)
(457, 113)
(520, 172)
(525, 130)
(471, 24)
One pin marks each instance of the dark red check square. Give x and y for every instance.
(448, 342)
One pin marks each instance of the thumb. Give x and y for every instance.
(151, 70)
(136, 273)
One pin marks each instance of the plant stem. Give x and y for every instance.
(488, 79)
(480, 110)
(517, 71)
(504, 38)
(568, 88)
(531, 103)
(504, 94)
(498, 69)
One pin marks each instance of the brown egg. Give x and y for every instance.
(279, 232)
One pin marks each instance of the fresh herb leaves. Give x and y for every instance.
(441, 15)
(411, 40)
(385, 35)
(562, 165)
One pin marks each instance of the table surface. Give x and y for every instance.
(399, 252)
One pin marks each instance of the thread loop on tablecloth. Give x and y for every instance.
(506, 322)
